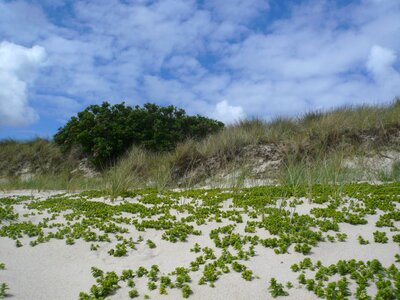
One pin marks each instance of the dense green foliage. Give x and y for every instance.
(360, 273)
(104, 132)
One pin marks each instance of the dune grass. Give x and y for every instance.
(35, 156)
(312, 148)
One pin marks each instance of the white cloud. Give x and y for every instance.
(17, 72)
(380, 61)
(228, 113)
(194, 54)
(317, 58)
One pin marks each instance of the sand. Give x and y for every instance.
(54, 270)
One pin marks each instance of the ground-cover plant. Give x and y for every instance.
(362, 241)
(3, 286)
(151, 244)
(247, 275)
(7, 214)
(302, 248)
(133, 293)
(238, 221)
(276, 289)
(179, 232)
(3, 290)
(120, 250)
(380, 237)
(361, 273)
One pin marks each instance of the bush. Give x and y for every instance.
(276, 289)
(104, 132)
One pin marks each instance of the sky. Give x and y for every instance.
(227, 60)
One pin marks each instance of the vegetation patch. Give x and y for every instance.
(242, 223)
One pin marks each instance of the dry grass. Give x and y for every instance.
(312, 147)
(37, 156)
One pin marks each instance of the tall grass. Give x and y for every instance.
(312, 148)
(322, 170)
(391, 175)
(36, 156)
(43, 182)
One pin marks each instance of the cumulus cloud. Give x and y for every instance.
(380, 64)
(194, 54)
(17, 72)
(228, 113)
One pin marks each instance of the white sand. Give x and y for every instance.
(55, 270)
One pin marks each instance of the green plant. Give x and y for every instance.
(186, 291)
(151, 244)
(96, 272)
(302, 248)
(276, 289)
(196, 248)
(105, 132)
(247, 275)
(380, 237)
(141, 272)
(362, 241)
(3, 290)
(107, 283)
(341, 237)
(151, 285)
(3, 286)
(330, 238)
(120, 250)
(94, 247)
(175, 215)
(131, 283)
(133, 293)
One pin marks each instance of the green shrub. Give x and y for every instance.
(276, 289)
(151, 244)
(133, 293)
(302, 248)
(362, 241)
(247, 275)
(186, 291)
(3, 289)
(105, 132)
(380, 237)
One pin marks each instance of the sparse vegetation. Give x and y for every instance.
(276, 289)
(3, 286)
(3, 290)
(239, 220)
(362, 241)
(151, 244)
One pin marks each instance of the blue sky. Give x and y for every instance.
(224, 59)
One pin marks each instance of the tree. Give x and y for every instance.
(104, 132)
